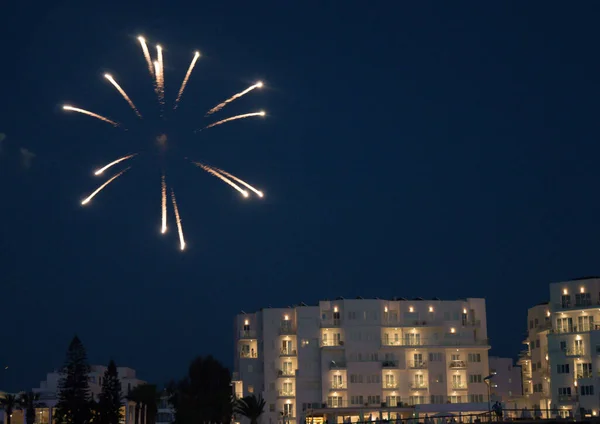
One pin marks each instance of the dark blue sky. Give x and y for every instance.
(423, 149)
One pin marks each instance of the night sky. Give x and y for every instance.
(434, 149)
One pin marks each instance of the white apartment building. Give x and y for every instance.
(506, 380)
(356, 358)
(561, 362)
(48, 391)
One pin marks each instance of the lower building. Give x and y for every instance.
(504, 379)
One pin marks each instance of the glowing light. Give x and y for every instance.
(99, 189)
(244, 183)
(246, 322)
(164, 204)
(177, 217)
(186, 78)
(581, 290)
(232, 98)
(222, 178)
(431, 309)
(565, 291)
(453, 330)
(92, 114)
(146, 55)
(464, 310)
(233, 118)
(160, 79)
(411, 309)
(125, 96)
(104, 168)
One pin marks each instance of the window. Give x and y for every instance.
(435, 357)
(537, 343)
(566, 301)
(562, 368)
(437, 399)
(334, 401)
(583, 299)
(564, 391)
(272, 407)
(250, 389)
(587, 390)
(536, 322)
(533, 366)
(475, 378)
(474, 357)
(393, 401)
(455, 399)
(476, 398)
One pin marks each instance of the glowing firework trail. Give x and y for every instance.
(244, 183)
(233, 118)
(232, 98)
(99, 189)
(164, 205)
(160, 78)
(146, 55)
(179, 229)
(101, 170)
(222, 178)
(187, 77)
(123, 93)
(92, 114)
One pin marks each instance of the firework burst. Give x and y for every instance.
(157, 72)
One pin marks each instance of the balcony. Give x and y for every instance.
(338, 385)
(417, 385)
(337, 365)
(389, 363)
(459, 386)
(575, 329)
(566, 398)
(331, 323)
(286, 330)
(283, 394)
(476, 323)
(250, 355)
(586, 374)
(332, 343)
(457, 365)
(286, 373)
(336, 404)
(584, 303)
(417, 365)
(449, 341)
(575, 352)
(393, 385)
(287, 352)
(247, 334)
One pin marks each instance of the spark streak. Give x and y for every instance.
(99, 189)
(125, 96)
(160, 78)
(104, 168)
(92, 114)
(164, 205)
(187, 77)
(232, 98)
(244, 183)
(222, 178)
(233, 118)
(179, 228)
(146, 55)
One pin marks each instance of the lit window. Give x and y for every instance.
(250, 389)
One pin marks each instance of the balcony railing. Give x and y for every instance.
(287, 352)
(286, 373)
(417, 386)
(389, 363)
(247, 334)
(575, 329)
(329, 323)
(287, 330)
(459, 386)
(246, 354)
(419, 365)
(574, 352)
(332, 343)
(338, 385)
(575, 305)
(450, 341)
(587, 374)
(390, 385)
(337, 404)
(337, 365)
(457, 365)
(566, 398)
(473, 323)
(285, 393)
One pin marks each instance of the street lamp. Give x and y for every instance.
(488, 381)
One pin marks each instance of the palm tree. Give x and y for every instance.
(8, 403)
(250, 407)
(27, 402)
